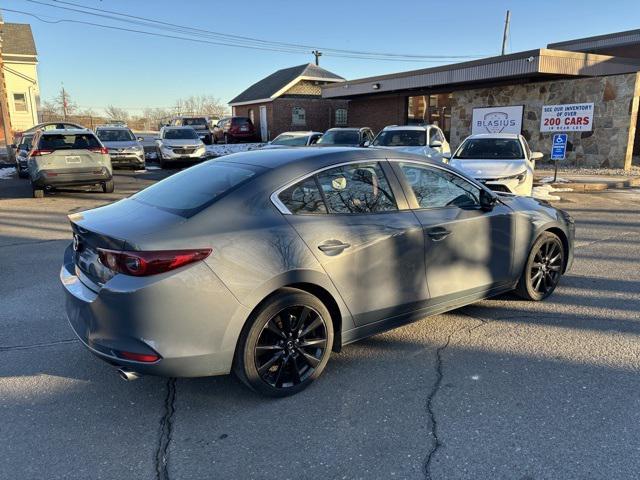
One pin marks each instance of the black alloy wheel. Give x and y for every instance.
(286, 346)
(543, 269)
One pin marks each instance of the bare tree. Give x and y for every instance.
(200, 105)
(116, 113)
(63, 102)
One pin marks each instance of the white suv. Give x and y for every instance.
(502, 161)
(426, 140)
(179, 144)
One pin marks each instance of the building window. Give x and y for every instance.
(298, 116)
(251, 116)
(20, 102)
(341, 116)
(430, 109)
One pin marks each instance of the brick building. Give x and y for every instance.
(291, 99)
(600, 73)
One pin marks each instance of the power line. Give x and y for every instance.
(231, 40)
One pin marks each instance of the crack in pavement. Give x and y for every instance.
(166, 431)
(434, 391)
(36, 345)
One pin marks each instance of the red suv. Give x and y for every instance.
(235, 129)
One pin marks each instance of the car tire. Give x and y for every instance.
(161, 159)
(543, 268)
(285, 345)
(226, 139)
(108, 187)
(22, 174)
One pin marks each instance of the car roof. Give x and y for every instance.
(299, 133)
(316, 156)
(112, 127)
(177, 127)
(347, 129)
(495, 135)
(420, 128)
(67, 131)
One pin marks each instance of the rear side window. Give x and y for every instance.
(194, 189)
(303, 197)
(79, 141)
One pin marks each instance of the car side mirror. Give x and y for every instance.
(140, 139)
(435, 144)
(487, 200)
(536, 155)
(366, 144)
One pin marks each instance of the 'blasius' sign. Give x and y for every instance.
(497, 119)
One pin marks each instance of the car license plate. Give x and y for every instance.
(73, 159)
(244, 129)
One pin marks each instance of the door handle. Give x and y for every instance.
(437, 234)
(333, 247)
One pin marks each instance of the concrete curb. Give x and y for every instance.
(597, 186)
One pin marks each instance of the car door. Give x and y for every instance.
(371, 249)
(467, 249)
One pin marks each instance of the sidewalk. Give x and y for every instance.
(589, 181)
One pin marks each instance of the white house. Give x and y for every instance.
(19, 58)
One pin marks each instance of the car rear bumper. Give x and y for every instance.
(71, 177)
(186, 316)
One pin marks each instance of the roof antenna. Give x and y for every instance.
(317, 54)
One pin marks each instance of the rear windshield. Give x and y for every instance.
(194, 121)
(180, 134)
(240, 121)
(194, 189)
(490, 149)
(401, 138)
(340, 137)
(79, 141)
(115, 135)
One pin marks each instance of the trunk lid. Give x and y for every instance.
(119, 226)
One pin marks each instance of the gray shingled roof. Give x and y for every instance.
(274, 82)
(17, 39)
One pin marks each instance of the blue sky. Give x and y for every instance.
(101, 67)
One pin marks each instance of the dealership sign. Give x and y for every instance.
(497, 119)
(575, 117)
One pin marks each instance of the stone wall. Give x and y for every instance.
(609, 144)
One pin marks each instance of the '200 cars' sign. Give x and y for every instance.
(574, 117)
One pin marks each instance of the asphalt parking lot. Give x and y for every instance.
(500, 389)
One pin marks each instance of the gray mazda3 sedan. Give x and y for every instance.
(265, 262)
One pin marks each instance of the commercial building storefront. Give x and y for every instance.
(585, 88)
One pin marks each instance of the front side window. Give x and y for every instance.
(290, 140)
(356, 188)
(20, 102)
(298, 116)
(341, 117)
(435, 188)
(490, 149)
(303, 198)
(436, 136)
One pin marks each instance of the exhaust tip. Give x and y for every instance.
(128, 375)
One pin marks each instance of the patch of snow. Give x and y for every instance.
(220, 150)
(152, 167)
(543, 192)
(550, 180)
(7, 173)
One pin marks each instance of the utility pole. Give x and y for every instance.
(317, 54)
(65, 104)
(505, 35)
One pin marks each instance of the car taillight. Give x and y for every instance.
(138, 357)
(142, 264)
(104, 150)
(39, 153)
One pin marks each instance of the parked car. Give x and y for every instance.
(124, 148)
(234, 129)
(294, 139)
(425, 140)
(347, 137)
(177, 144)
(65, 158)
(41, 126)
(502, 161)
(263, 262)
(199, 123)
(22, 155)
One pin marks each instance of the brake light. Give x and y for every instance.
(40, 153)
(139, 357)
(142, 264)
(103, 150)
